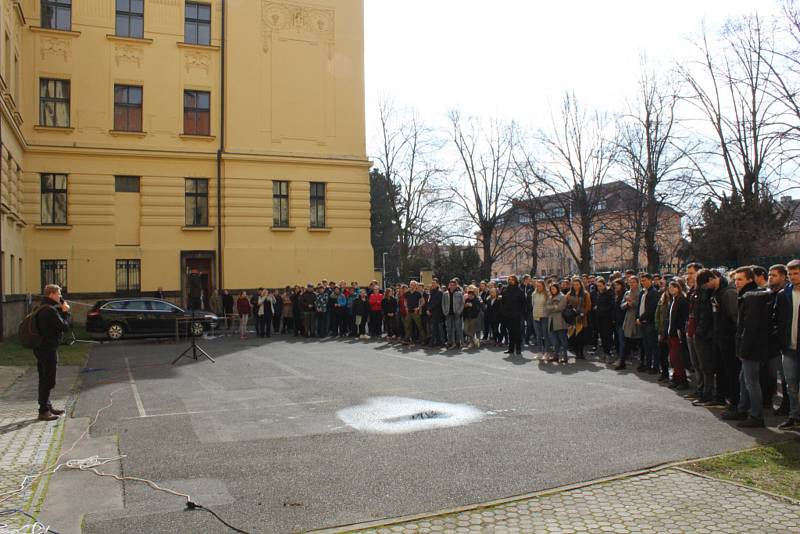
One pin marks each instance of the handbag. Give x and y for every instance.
(570, 315)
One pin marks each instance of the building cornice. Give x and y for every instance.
(300, 159)
(172, 154)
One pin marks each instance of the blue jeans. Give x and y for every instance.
(649, 346)
(540, 327)
(455, 326)
(621, 342)
(528, 327)
(791, 370)
(750, 398)
(558, 339)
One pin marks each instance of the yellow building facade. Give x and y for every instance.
(143, 139)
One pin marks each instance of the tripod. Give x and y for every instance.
(193, 351)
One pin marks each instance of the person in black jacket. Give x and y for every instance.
(677, 314)
(602, 305)
(390, 317)
(778, 275)
(227, 307)
(646, 320)
(526, 325)
(514, 307)
(724, 314)
(752, 347)
(494, 313)
(52, 320)
(620, 310)
(435, 315)
(702, 318)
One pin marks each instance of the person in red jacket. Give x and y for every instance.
(375, 312)
(244, 309)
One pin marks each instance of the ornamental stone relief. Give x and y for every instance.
(51, 46)
(197, 60)
(125, 53)
(307, 23)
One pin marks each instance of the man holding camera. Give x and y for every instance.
(52, 320)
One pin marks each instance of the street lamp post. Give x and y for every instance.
(383, 259)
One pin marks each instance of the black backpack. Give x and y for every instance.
(28, 331)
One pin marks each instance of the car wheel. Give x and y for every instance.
(115, 331)
(196, 329)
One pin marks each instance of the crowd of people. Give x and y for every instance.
(724, 338)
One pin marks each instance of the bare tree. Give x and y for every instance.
(731, 87)
(654, 157)
(486, 189)
(565, 180)
(407, 157)
(784, 63)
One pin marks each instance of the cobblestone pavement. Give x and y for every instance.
(662, 502)
(26, 445)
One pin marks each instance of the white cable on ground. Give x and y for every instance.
(36, 527)
(33, 528)
(90, 464)
(86, 464)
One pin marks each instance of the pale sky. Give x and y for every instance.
(515, 58)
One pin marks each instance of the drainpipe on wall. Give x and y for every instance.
(221, 150)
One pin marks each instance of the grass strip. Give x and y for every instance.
(14, 354)
(774, 468)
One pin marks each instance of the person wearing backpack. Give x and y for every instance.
(52, 319)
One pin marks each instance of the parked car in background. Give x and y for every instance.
(145, 317)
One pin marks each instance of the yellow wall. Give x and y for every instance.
(294, 111)
(12, 165)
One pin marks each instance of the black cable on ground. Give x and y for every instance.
(194, 506)
(12, 511)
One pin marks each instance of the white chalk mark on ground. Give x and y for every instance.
(136, 397)
(398, 415)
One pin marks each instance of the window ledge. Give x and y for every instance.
(39, 29)
(126, 133)
(282, 228)
(55, 129)
(197, 228)
(125, 39)
(190, 137)
(314, 229)
(53, 226)
(196, 46)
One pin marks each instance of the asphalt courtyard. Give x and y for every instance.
(258, 438)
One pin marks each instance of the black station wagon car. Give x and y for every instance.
(144, 317)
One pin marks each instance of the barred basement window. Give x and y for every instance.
(126, 184)
(196, 202)
(128, 277)
(54, 272)
(317, 215)
(280, 204)
(54, 198)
